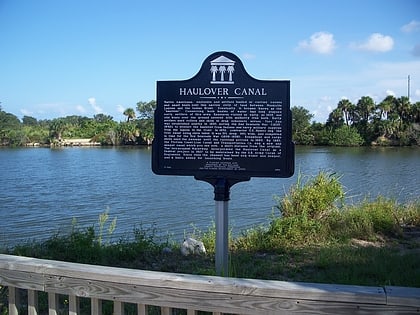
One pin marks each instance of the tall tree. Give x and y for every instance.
(335, 118)
(301, 123)
(364, 108)
(102, 118)
(57, 127)
(29, 121)
(403, 107)
(10, 129)
(386, 106)
(130, 113)
(128, 132)
(146, 112)
(146, 109)
(345, 106)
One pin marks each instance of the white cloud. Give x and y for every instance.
(320, 42)
(96, 107)
(417, 93)
(413, 26)
(376, 42)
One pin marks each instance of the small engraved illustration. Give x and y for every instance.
(218, 69)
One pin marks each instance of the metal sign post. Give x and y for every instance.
(222, 197)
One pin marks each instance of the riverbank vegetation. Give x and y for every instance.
(393, 121)
(102, 129)
(312, 235)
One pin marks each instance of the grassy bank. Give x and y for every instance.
(312, 236)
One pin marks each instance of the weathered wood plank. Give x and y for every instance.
(74, 305)
(14, 300)
(53, 304)
(309, 291)
(22, 280)
(403, 296)
(32, 302)
(118, 308)
(212, 294)
(141, 309)
(96, 306)
(205, 300)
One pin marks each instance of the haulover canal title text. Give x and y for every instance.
(222, 91)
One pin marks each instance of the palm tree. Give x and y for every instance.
(365, 107)
(345, 106)
(130, 113)
(415, 112)
(127, 133)
(57, 127)
(403, 108)
(385, 106)
(335, 119)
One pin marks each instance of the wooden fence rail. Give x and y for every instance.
(169, 293)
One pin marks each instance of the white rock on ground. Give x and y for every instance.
(192, 246)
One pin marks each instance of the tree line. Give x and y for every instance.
(394, 121)
(135, 130)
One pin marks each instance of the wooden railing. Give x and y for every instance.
(27, 277)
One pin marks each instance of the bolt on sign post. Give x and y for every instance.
(222, 126)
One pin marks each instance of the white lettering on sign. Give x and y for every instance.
(211, 91)
(203, 91)
(250, 91)
(222, 130)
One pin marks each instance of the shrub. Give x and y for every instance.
(304, 211)
(346, 136)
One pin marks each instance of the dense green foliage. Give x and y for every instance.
(394, 121)
(101, 128)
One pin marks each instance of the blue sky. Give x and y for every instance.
(81, 57)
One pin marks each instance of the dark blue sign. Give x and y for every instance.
(223, 123)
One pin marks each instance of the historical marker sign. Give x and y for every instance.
(223, 123)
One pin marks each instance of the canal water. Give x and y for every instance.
(44, 190)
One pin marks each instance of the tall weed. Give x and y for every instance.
(368, 219)
(314, 197)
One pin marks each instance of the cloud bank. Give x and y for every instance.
(375, 43)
